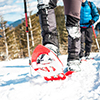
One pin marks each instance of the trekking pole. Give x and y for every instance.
(95, 38)
(25, 8)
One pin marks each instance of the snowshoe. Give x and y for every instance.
(47, 64)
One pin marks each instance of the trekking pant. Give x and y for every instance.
(48, 21)
(86, 40)
(72, 8)
(73, 44)
(72, 17)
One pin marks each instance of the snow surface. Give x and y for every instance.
(16, 83)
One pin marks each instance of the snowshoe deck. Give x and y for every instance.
(52, 69)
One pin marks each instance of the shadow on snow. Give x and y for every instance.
(20, 80)
(21, 66)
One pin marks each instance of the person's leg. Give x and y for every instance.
(48, 24)
(73, 40)
(82, 43)
(73, 44)
(72, 17)
(88, 41)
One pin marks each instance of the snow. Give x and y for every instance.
(17, 84)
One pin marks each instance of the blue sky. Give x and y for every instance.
(12, 10)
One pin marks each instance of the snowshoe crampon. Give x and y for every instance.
(47, 64)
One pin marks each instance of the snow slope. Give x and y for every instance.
(16, 83)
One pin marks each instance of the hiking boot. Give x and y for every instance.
(44, 57)
(87, 54)
(74, 65)
(53, 48)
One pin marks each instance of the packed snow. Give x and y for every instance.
(17, 84)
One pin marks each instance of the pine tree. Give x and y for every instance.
(3, 27)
